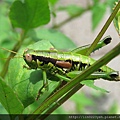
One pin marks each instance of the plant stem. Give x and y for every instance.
(102, 61)
(15, 49)
(61, 101)
(103, 30)
(71, 18)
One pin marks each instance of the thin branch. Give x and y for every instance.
(61, 101)
(71, 18)
(15, 49)
(103, 30)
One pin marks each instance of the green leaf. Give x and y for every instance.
(90, 83)
(60, 110)
(98, 12)
(32, 107)
(95, 1)
(81, 99)
(110, 3)
(9, 99)
(30, 14)
(114, 108)
(2, 110)
(117, 25)
(53, 2)
(26, 83)
(72, 9)
(56, 38)
(4, 23)
(81, 102)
